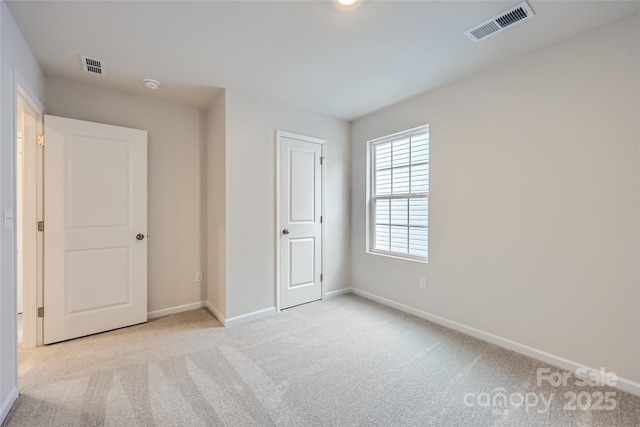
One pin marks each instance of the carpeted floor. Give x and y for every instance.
(344, 361)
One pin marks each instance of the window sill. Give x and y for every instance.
(400, 257)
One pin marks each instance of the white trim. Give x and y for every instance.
(395, 135)
(277, 224)
(173, 310)
(32, 324)
(560, 362)
(323, 235)
(371, 198)
(249, 317)
(215, 312)
(398, 255)
(8, 403)
(280, 134)
(31, 99)
(19, 87)
(628, 386)
(338, 292)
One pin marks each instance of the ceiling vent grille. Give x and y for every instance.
(498, 23)
(92, 65)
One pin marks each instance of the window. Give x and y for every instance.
(399, 194)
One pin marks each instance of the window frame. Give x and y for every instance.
(371, 197)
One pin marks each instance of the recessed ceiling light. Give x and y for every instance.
(151, 84)
(347, 3)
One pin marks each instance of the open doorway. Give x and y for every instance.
(19, 216)
(27, 155)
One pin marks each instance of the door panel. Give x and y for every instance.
(90, 158)
(98, 278)
(95, 202)
(300, 213)
(302, 263)
(302, 171)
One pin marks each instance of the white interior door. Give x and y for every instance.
(300, 231)
(95, 212)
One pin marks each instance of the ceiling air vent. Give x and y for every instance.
(500, 22)
(92, 65)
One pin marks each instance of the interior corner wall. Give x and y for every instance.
(216, 207)
(251, 180)
(16, 55)
(534, 202)
(175, 177)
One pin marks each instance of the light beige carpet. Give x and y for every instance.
(340, 362)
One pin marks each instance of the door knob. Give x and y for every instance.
(140, 236)
(285, 231)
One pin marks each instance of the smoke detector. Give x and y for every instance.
(498, 23)
(151, 84)
(92, 65)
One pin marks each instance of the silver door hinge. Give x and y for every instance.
(40, 225)
(321, 277)
(320, 219)
(321, 160)
(41, 139)
(40, 311)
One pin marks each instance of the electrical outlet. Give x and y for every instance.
(199, 276)
(423, 283)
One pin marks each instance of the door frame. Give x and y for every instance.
(322, 142)
(32, 297)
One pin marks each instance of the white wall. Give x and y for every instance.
(14, 55)
(176, 206)
(250, 175)
(534, 209)
(216, 207)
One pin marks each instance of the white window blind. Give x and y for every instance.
(400, 193)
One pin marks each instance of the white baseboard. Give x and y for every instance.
(560, 362)
(173, 310)
(8, 403)
(249, 317)
(215, 312)
(337, 292)
(628, 386)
